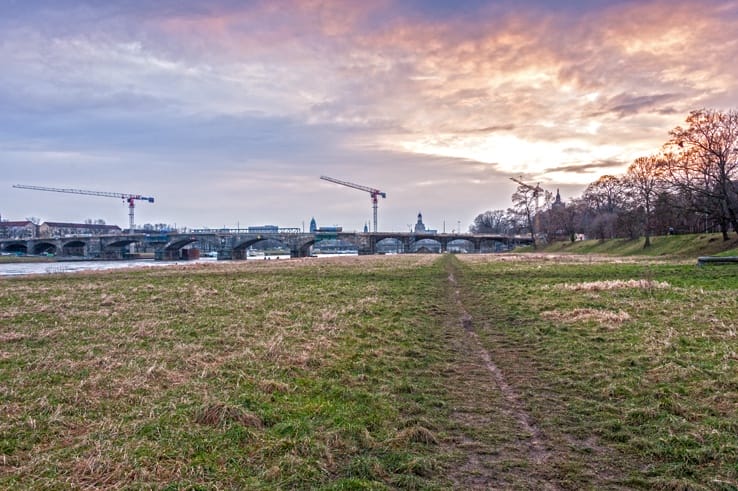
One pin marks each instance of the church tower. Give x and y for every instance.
(420, 226)
(557, 202)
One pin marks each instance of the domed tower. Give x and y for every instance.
(420, 226)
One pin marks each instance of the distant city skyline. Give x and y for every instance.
(229, 112)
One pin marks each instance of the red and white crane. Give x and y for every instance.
(129, 198)
(374, 193)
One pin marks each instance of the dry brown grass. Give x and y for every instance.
(556, 258)
(273, 386)
(219, 414)
(603, 317)
(597, 286)
(415, 434)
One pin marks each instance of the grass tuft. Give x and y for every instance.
(273, 387)
(219, 415)
(416, 434)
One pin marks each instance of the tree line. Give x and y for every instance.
(689, 186)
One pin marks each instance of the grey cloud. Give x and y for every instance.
(587, 168)
(489, 129)
(628, 105)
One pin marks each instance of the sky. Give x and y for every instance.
(229, 111)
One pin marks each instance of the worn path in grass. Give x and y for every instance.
(485, 401)
(500, 443)
(494, 433)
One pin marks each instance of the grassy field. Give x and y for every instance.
(691, 245)
(399, 372)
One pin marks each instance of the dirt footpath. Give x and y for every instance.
(493, 433)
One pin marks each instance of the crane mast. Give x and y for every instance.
(373, 193)
(129, 198)
(537, 189)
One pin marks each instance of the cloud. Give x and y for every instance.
(628, 104)
(242, 98)
(601, 166)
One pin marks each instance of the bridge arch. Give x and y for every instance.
(16, 248)
(390, 245)
(461, 245)
(74, 248)
(298, 248)
(44, 248)
(173, 250)
(117, 248)
(427, 245)
(240, 250)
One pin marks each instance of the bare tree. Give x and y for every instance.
(605, 194)
(525, 201)
(604, 199)
(704, 163)
(493, 221)
(643, 179)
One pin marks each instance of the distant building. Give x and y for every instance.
(263, 229)
(557, 202)
(315, 229)
(23, 229)
(60, 229)
(420, 226)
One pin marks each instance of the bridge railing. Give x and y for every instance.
(248, 230)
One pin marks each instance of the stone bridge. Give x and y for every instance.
(84, 246)
(232, 244)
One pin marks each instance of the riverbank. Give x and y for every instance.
(678, 246)
(372, 372)
(25, 259)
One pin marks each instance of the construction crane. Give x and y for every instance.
(374, 193)
(129, 198)
(537, 189)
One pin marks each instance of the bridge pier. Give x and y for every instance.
(295, 253)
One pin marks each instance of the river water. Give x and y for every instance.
(21, 269)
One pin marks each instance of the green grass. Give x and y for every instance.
(358, 373)
(264, 378)
(651, 392)
(670, 246)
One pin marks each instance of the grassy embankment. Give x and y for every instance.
(405, 372)
(692, 245)
(26, 259)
